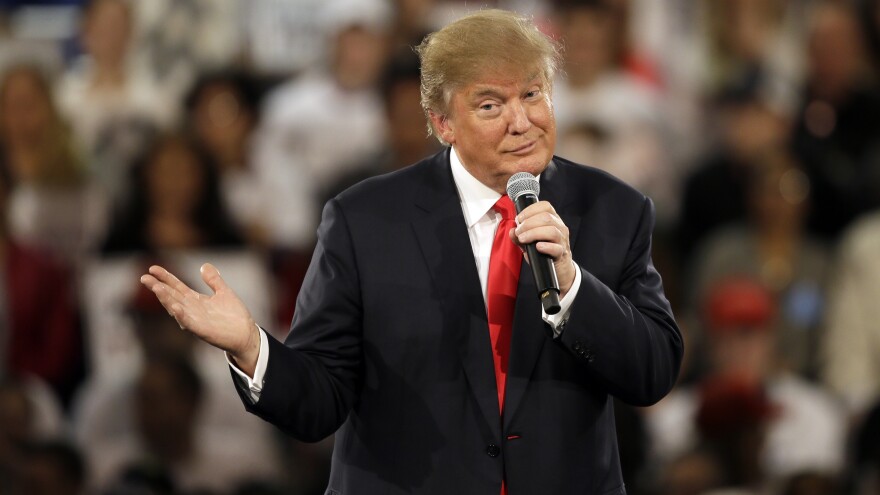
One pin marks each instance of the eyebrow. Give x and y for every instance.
(494, 92)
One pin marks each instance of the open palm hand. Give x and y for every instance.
(221, 319)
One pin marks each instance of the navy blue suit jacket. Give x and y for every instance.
(389, 346)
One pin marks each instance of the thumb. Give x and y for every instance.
(212, 277)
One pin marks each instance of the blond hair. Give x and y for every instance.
(59, 164)
(483, 43)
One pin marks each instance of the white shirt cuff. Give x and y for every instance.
(254, 386)
(557, 322)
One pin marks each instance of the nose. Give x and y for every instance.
(519, 121)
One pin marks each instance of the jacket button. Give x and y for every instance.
(493, 450)
(578, 346)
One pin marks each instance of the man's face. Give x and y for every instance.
(500, 126)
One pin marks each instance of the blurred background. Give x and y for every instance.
(182, 131)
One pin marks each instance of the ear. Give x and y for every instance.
(443, 126)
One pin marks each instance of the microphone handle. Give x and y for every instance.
(542, 265)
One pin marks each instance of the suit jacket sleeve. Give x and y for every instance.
(312, 380)
(627, 337)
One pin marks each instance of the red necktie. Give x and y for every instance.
(504, 265)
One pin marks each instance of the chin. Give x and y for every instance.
(535, 165)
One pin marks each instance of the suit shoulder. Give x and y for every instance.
(392, 187)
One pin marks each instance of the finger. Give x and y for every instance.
(535, 209)
(212, 277)
(547, 233)
(167, 278)
(555, 251)
(169, 298)
(540, 220)
(149, 281)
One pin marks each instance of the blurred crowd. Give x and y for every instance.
(183, 131)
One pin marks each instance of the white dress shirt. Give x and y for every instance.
(482, 220)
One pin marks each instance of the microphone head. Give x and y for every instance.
(522, 183)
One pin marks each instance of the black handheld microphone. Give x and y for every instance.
(523, 189)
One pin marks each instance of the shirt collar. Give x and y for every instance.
(476, 197)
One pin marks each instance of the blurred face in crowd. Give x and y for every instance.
(359, 57)
(175, 179)
(220, 118)
(750, 128)
(743, 351)
(406, 123)
(107, 31)
(26, 112)
(836, 50)
(778, 194)
(588, 34)
(166, 412)
(746, 25)
(500, 125)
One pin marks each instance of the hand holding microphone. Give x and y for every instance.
(545, 239)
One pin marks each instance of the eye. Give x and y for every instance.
(487, 106)
(533, 93)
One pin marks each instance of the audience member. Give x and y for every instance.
(39, 321)
(408, 139)
(851, 344)
(316, 126)
(105, 408)
(222, 111)
(607, 117)
(714, 194)
(796, 424)
(178, 39)
(771, 245)
(29, 413)
(168, 399)
(51, 204)
(758, 40)
(113, 110)
(175, 203)
(837, 134)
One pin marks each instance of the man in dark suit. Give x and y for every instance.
(404, 342)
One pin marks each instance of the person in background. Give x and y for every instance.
(112, 108)
(40, 333)
(714, 194)
(772, 245)
(607, 116)
(29, 415)
(223, 112)
(790, 426)
(851, 343)
(175, 203)
(317, 126)
(52, 205)
(107, 410)
(837, 127)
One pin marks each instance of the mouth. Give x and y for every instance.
(525, 149)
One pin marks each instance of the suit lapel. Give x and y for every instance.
(528, 338)
(443, 238)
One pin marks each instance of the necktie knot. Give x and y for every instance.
(505, 207)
